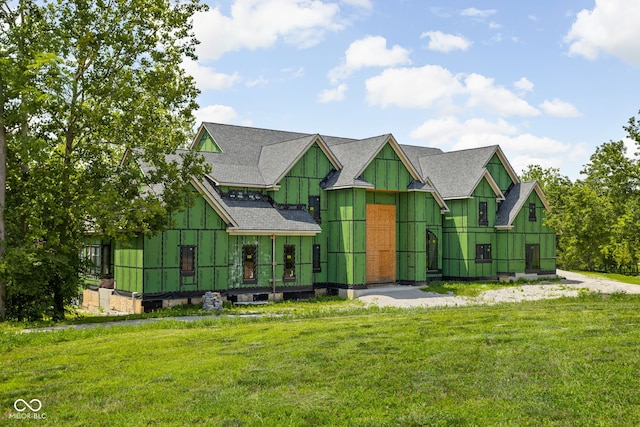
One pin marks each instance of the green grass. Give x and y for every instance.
(624, 278)
(465, 289)
(571, 361)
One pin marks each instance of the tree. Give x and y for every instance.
(597, 218)
(97, 81)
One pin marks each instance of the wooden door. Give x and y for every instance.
(381, 243)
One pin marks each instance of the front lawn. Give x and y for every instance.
(572, 361)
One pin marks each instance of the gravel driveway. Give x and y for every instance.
(571, 285)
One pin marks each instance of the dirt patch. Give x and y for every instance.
(571, 286)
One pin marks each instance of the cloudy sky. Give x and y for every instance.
(548, 80)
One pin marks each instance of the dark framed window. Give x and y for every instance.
(249, 271)
(105, 262)
(314, 208)
(532, 258)
(432, 251)
(289, 262)
(187, 260)
(316, 259)
(94, 260)
(483, 216)
(483, 253)
(532, 212)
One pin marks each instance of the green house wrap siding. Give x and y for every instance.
(128, 265)
(499, 173)
(418, 212)
(511, 256)
(346, 226)
(387, 172)
(152, 264)
(461, 234)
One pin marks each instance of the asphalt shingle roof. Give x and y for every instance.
(513, 202)
(456, 174)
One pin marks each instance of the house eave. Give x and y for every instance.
(235, 232)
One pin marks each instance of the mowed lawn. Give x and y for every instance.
(567, 362)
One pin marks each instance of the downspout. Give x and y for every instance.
(273, 265)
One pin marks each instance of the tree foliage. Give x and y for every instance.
(597, 218)
(93, 106)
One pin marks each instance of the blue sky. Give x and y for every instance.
(548, 81)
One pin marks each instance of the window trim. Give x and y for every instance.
(314, 209)
(289, 264)
(437, 255)
(254, 270)
(187, 271)
(483, 253)
(532, 212)
(316, 258)
(483, 214)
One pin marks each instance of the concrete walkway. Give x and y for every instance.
(571, 285)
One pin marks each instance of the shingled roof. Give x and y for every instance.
(456, 174)
(515, 200)
(257, 216)
(255, 157)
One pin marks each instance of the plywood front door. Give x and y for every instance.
(381, 243)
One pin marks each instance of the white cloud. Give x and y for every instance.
(219, 114)
(370, 51)
(433, 85)
(412, 87)
(522, 149)
(442, 42)
(559, 108)
(484, 93)
(477, 13)
(611, 27)
(365, 4)
(524, 85)
(207, 78)
(260, 80)
(332, 95)
(494, 25)
(255, 24)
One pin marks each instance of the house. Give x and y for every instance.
(287, 215)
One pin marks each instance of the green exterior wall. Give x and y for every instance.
(418, 213)
(499, 173)
(387, 172)
(151, 264)
(128, 265)
(511, 243)
(207, 143)
(346, 226)
(461, 233)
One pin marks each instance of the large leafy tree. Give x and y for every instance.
(598, 217)
(93, 106)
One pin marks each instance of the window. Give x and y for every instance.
(93, 258)
(532, 212)
(249, 264)
(532, 258)
(432, 251)
(105, 267)
(483, 253)
(187, 260)
(316, 259)
(98, 260)
(314, 208)
(483, 217)
(289, 262)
